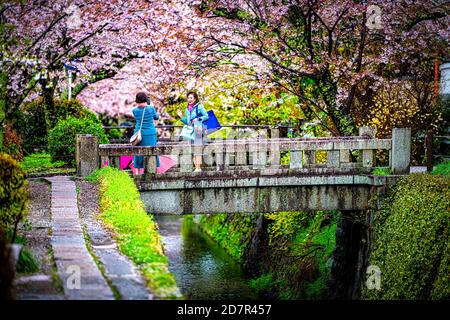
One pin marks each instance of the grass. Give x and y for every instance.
(57, 282)
(442, 168)
(41, 162)
(135, 231)
(381, 171)
(27, 262)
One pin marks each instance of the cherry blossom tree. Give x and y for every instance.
(165, 36)
(322, 51)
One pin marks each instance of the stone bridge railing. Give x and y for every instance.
(343, 154)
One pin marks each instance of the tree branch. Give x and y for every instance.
(77, 44)
(44, 33)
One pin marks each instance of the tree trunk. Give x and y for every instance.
(341, 118)
(47, 95)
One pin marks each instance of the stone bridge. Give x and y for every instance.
(261, 174)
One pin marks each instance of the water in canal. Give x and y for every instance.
(202, 269)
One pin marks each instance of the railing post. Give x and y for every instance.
(344, 156)
(241, 153)
(86, 154)
(274, 147)
(368, 158)
(186, 159)
(150, 164)
(401, 150)
(259, 152)
(333, 159)
(296, 159)
(310, 157)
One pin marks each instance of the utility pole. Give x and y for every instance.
(70, 69)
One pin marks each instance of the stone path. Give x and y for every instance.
(120, 271)
(73, 259)
(80, 276)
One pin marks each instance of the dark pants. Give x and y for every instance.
(147, 140)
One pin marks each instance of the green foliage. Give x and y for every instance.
(230, 231)
(37, 119)
(410, 242)
(301, 245)
(283, 225)
(442, 168)
(381, 171)
(62, 138)
(40, 162)
(114, 134)
(94, 176)
(27, 262)
(263, 284)
(136, 232)
(13, 194)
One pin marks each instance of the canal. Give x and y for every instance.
(202, 269)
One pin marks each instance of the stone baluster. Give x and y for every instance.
(86, 154)
(401, 150)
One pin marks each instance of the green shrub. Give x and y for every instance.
(13, 194)
(27, 262)
(62, 137)
(411, 240)
(38, 119)
(73, 108)
(442, 168)
(263, 284)
(114, 134)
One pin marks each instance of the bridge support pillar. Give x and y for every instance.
(349, 256)
(86, 154)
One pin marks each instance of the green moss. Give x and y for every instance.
(410, 242)
(136, 232)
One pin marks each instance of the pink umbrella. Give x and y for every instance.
(166, 162)
(126, 162)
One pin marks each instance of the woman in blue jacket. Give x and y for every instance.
(148, 131)
(195, 114)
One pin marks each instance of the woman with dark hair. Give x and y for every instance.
(194, 115)
(148, 131)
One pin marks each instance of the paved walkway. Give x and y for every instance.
(80, 275)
